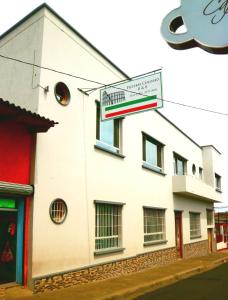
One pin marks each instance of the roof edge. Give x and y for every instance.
(175, 126)
(212, 146)
(45, 5)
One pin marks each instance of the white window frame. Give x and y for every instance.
(176, 158)
(195, 225)
(148, 219)
(108, 236)
(116, 134)
(159, 167)
(218, 182)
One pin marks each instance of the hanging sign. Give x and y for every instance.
(140, 94)
(206, 23)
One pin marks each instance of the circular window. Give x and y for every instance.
(62, 93)
(58, 211)
(194, 169)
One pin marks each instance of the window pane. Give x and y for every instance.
(195, 229)
(209, 217)
(218, 181)
(108, 226)
(180, 167)
(154, 225)
(151, 153)
(106, 132)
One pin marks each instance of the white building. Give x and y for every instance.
(137, 192)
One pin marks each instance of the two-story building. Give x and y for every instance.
(110, 197)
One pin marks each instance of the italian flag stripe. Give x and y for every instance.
(130, 110)
(133, 102)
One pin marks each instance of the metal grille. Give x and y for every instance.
(154, 225)
(195, 230)
(108, 226)
(58, 211)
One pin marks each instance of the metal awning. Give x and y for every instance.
(36, 123)
(15, 189)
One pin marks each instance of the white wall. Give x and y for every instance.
(19, 81)
(68, 166)
(80, 174)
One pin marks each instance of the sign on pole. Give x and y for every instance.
(137, 95)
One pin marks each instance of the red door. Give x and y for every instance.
(178, 233)
(210, 241)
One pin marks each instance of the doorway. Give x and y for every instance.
(11, 240)
(178, 233)
(8, 241)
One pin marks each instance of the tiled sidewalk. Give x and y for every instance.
(126, 287)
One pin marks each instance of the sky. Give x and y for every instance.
(128, 33)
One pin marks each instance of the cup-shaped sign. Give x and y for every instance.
(206, 23)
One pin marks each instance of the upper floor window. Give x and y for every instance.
(217, 182)
(62, 93)
(200, 173)
(180, 165)
(194, 169)
(108, 133)
(152, 153)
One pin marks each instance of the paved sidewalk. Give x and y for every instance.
(128, 286)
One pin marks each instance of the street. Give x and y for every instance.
(210, 285)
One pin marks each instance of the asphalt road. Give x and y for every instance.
(211, 285)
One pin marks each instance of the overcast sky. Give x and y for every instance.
(128, 33)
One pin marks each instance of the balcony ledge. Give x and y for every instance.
(192, 187)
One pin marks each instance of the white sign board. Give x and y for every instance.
(137, 95)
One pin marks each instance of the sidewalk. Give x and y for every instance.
(125, 287)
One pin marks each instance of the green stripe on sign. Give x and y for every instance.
(131, 102)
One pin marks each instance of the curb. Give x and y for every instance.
(165, 280)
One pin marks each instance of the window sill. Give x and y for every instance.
(155, 243)
(153, 170)
(109, 151)
(108, 251)
(195, 237)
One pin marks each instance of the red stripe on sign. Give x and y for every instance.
(129, 110)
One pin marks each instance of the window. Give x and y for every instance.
(180, 165)
(108, 226)
(108, 133)
(58, 211)
(218, 182)
(210, 217)
(154, 225)
(62, 93)
(195, 229)
(200, 173)
(193, 169)
(152, 153)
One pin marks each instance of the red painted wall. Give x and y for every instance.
(16, 144)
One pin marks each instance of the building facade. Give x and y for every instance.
(110, 197)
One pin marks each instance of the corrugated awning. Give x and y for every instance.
(9, 111)
(15, 189)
